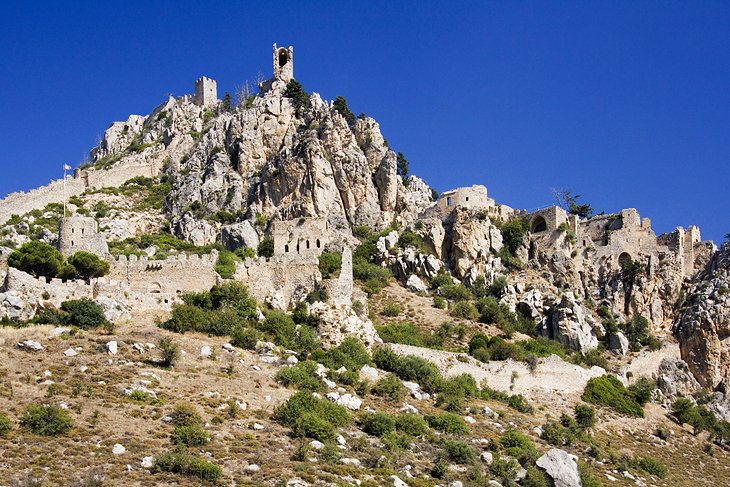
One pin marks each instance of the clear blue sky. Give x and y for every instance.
(627, 103)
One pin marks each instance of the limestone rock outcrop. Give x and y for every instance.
(703, 327)
(571, 325)
(474, 239)
(561, 467)
(339, 322)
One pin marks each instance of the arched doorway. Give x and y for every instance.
(538, 224)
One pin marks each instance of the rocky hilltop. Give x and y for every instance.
(435, 339)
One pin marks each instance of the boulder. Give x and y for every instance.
(114, 311)
(560, 467)
(337, 322)
(618, 343)
(111, 347)
(415, 284)
(674, 379)
(30, 345)
(567, 323)
(239, 235)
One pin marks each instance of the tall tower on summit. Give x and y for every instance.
(283, 63)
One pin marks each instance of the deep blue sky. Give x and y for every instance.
(627, 103)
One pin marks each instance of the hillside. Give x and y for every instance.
(258, 292)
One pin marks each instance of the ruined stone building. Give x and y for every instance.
(81, 233)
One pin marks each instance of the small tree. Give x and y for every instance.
(402, 165)
(170, 351)
(340, 104)
(37, 259)
(88, 265)
(299, 97)
(266, 247)
(84, 313)
(569, 201)
(46, 420)
(227, 102)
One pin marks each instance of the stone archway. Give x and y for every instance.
(538, 224)
(283, 57)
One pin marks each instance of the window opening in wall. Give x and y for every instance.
(539, 224)
(448, 201)
(318, 244)
(307, 244)
(82, 231)
(283, 57)
(467, 198)
(72, 243)
(286, 248)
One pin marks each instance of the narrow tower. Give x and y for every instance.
(206, 92)
(283, 63)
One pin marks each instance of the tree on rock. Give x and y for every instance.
(299, 97)
(402, 165)
(37, 259)
(569, 202)
(88, 265)
(340, 104)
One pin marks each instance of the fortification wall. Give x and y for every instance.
(21, 202)
(284, 278)
(53, 291)
(305, 237)
(176, 274)
(340, 290)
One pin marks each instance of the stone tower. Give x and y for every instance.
(283, 63)
(77, 233)
(206, 92)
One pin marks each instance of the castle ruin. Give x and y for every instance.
(80, 233)
(206, 92)
(283, 63)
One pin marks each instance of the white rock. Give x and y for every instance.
(368, 373)
(560, 467)
(228, 347)
(340, 440)
(397, 482)
(205, 351)
(487, 457)
(118, 449)
(329, 383)
(47, 373)
(111, 347)
(139, 347)
(408, 408)
(258, 426)
(30, 345)
(292, 360)
(253, 468)
(147, 462)
(267, 398)
(351, 461)
(469, 419)
(70, 352)
(58, 331)
(317, 445)
(414, 283)
(83, 369)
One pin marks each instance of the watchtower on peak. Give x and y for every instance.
(283, 63)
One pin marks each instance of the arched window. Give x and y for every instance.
(448, 201)
(318, 244)
(307, 244)
(625, 260)
(286, 248)
(283, 57)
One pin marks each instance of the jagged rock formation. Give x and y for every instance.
(703, 327)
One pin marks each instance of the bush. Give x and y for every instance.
(351, 354)
(377, 424)
(5, 425)
(304, 405)
(609, 391)
(534, 477)
(585, 416)
(313, 426)
(340, 104)
(439, 302)
(513, 234)
(46, 420)
(84, 313)
(460, 452)
(185, 414)
(88, 265)
(411, 424)
(519, 403)
(179, 461)
(447, 423)
(464, 310)
(643, 389)
(190, 435)
(556, 434)
(455, 391)
(330, 264)
(410, 368)
(391, 308)
(456, 292)
(245, 338)
(406, 333)
(519, 446)
(390, 387)
(302, 375)
(38, 259)
(652, 466)
(266, 247)
(299, 97)
(587, 477)
(225, 266)
(169, 350)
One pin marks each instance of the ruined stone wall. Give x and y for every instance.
(206, 92)
(53, 291)
(547, 219)
(306, 237)
(340, 290)
(174, 275)
(279, 279)
(283, 63)
(22, 202)
(474, 197)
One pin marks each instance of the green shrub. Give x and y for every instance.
(190, 435)
(406, 333)
(556, 434)
(5, 425)
(311, 425)
(518, 402)
(643, 389)
(439, 302)
(464, 310)
(534, 477)
(301, 403)
(38, 259)
(460, 452)
(246, 338)
(351, 354)
(225, 266)
(609, 391)
(513, 234)
(185, 317)
(84, 313)
(456, 292)
(330, 264)
(455, 391)
(587, 477)
(391, 308)
(299, 97)
(169, 350)
(46, 420)
(185, 414)
(519, 446)
(377, 424)
(244, 253)
(266, 247)
(652, 466)
(390, 387)
(585, 416)
(411, 424)
(340, 104)
(88, 265)
(410, 239)
(302, 375)
(181, 462)
(447, 423)
(410, 368)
